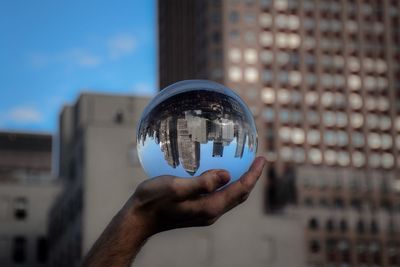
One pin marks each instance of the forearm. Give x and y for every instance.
(119, 243)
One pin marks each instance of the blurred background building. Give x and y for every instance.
(322, 80)
(26, 194)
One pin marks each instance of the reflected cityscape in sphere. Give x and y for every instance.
(194, 126)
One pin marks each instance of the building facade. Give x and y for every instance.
(322, 81)
(101, 170)
(26, 194)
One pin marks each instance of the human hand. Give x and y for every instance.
(168, 202)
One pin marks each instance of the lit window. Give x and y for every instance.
(265, 20)
(383, 104)
(357, 120)
(281, 4)
(266, 56)
(284, 133)
(358, 139)
(283, 96)
(295, 78)
(387, 160)
(313, 137)
(343, 158)
(386, 141)
(381, 66)
(358, 159)
(266, 39)
(297, 136)
(235, 74)
(315, 156)
(354, 64)
(311, 98)
(330, 157)
(355, 101)
(368, 64)
(250, 56)
(251, 75)
(354, 82)
(294, 40)
(268, 95)
(235, 55)
(293, 22)
(374, 141)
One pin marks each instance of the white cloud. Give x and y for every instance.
(83, 58)
(121, 45)
(24, 114)
(143, 88)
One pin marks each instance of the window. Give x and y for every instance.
(315, 247)
(41, 252)
(315, 156)
(354, 82)
(250, 56)
(313, 137)
(311, 98)
(265, 20)
(251, 75)
(266, 57)
(19, 249)
(313, 224)
(298, 136)
(266, 39)
(387, 160)
(330, 226)
(374, 141)
(268, 95)
(357, 120)
(20, 208)
(234, 16)
(235, 74)
(330, 157)
(235, 55)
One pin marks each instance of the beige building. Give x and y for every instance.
(26, 194)
(101, 169)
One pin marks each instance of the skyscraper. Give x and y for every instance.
(322, 79)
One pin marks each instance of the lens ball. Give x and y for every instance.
(193, 126)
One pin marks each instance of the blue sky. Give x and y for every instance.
(52, 50)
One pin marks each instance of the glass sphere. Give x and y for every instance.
(193, 126)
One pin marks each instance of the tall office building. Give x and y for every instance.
(322, 79)
(26, 194)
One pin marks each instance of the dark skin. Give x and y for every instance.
(168, 202)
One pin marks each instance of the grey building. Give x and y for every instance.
(101, 171)
(26, 193)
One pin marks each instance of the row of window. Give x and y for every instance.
(19, 249)
(337, 157)
(332, 225)
(330, 119)
(336, 138)
(327, 99)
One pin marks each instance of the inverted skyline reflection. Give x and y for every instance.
(193, 126)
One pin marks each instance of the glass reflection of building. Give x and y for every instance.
(184, 123)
